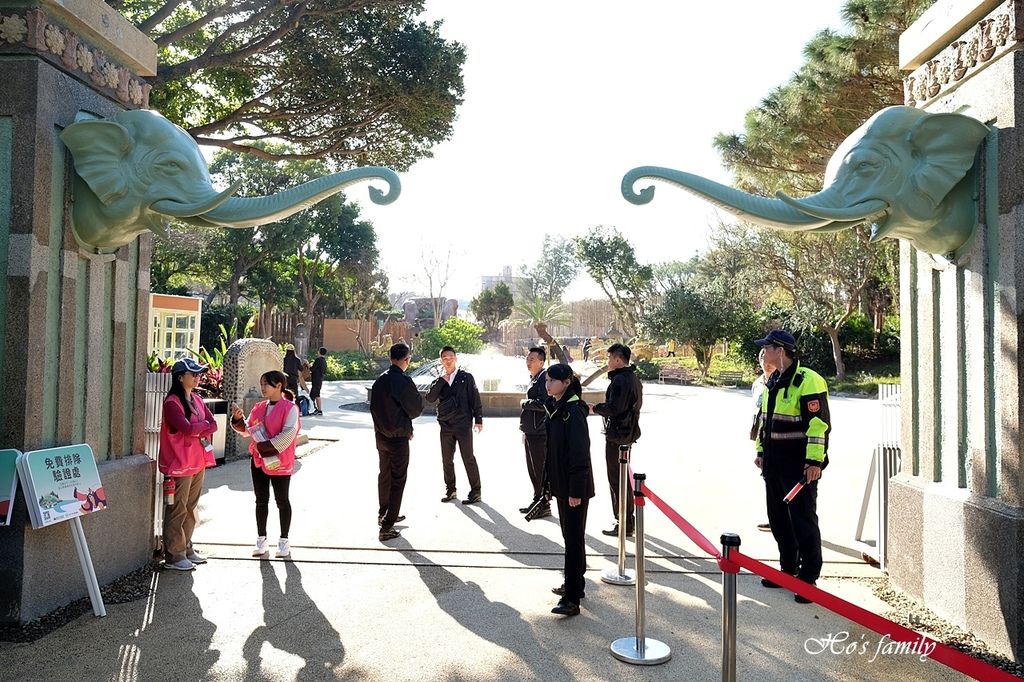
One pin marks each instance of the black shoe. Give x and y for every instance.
(544, 512)
(523, 510)
(766, 527)
(614, 532)
(388, 534)
(450, 496)
(472, 499)
(566, 608)
(799, 598)
(769, 584)
(380, 520)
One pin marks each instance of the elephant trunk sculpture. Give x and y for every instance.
(136, 171)
(905, 172)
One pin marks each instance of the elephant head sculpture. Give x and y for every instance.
(905, 172)
(136, 171)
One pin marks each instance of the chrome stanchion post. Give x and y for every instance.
(621, 575)
(730, 541)
(639, 649)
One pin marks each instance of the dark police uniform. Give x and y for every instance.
(394, 403)
(794, 424)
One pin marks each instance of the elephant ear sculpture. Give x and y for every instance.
(137, 171)
(905, 172)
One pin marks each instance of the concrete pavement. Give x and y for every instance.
(464, 593)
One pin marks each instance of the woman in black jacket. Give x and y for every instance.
(570, 478)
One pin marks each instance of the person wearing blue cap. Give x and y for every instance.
(186, 450)
(792, 447)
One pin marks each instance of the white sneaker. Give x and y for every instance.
(195, 557)
(283, 549)
(183, 565)
(261, 546)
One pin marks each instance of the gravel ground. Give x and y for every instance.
(127, 588)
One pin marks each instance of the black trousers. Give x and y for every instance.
(536, 451)
(394, 467)
(795, 526)
(611, 458)
(261, 484)
(573, 521)
(464, 438)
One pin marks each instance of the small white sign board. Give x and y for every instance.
(63, 484)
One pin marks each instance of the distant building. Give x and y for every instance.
(515, 284)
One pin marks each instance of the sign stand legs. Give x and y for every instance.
(88, 572)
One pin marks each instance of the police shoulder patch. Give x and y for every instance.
(813, 406)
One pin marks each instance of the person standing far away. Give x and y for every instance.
(767, 370)
(792, 446)
(587, 344)
(459, 412)
(532, 424)
(273, 425)
(570, 479)
(394, 403)
(186, 451)
(292, 368)
(621, 411)
(317, 372)
(670, 348)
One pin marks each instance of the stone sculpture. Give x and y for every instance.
(137, 171)
(905, 172)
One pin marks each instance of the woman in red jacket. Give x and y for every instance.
(273, 426)
(186, 449)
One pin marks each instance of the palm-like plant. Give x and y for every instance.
(538, 313)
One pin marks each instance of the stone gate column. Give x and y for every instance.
(73, 327)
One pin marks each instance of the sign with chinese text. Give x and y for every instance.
(8, 483)
(60, 484)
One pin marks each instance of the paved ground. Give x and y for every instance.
(464, 594)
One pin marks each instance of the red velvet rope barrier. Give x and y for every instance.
(941, 653)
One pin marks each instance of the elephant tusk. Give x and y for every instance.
(176, 209)
(857, 213)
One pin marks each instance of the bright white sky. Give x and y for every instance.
(565, 96)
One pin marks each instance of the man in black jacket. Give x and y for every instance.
(394, 403)
(621, 412)
(531, 423)
(459, 411)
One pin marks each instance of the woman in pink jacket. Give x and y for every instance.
(273, 426)
(186, 450)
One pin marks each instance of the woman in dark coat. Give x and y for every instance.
(570, 478)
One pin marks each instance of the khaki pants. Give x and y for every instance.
(180, 518)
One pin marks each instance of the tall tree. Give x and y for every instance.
(357, 82)
(555, 270)
(436, 270)
(492, 306)
(787, 142)
(610, 260)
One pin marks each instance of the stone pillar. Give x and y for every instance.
(244, 363)
(72, 327)
(956, 518)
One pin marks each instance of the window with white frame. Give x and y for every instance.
(174, 333)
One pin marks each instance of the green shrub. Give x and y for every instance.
(350, 364)
(463, 336)
(645, 369)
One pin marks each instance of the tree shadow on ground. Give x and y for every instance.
(293, 623)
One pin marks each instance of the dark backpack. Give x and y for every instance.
(303, 404)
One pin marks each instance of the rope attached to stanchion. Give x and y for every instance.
(941, 653)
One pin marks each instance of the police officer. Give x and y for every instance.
(394, 403)
(621, 411)
(792, 446)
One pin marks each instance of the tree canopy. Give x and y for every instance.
(492, 306)
(554, 271)
(610, 260)
(355, 82)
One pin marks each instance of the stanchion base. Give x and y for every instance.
(655, 652)
(613, 577)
